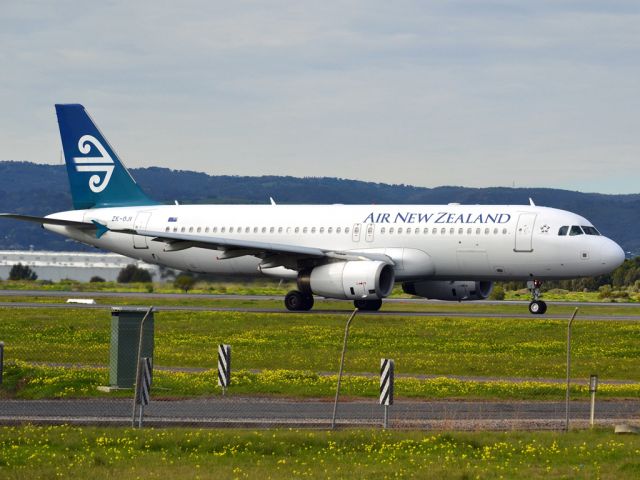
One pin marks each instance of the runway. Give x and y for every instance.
(319, 311)
(213, 297)
(269, 412)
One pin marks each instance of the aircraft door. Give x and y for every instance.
(140, 223)
(355, 236)
(371, 228)
(524, 232)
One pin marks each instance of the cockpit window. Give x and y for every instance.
(590, 230)
(575, 230)
(563, 230)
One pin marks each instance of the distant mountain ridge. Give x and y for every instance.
(38, 189)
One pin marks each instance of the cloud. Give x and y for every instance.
(427, 93)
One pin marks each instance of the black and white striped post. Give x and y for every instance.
(386, 386)
(144, 388)
(224, 366)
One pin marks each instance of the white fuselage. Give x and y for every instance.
(447, 242)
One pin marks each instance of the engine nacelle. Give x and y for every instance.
(443, 290)
(367, 280)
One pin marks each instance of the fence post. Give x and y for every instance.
(387, 367)
(593, 388)
(1, 361)
(135, 390)
(344, 349)
(566, 398)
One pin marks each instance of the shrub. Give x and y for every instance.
(22, 272)
(96, 279)
(184, 282)
(497, 293)
(132, 273)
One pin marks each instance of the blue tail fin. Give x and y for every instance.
(96, 175)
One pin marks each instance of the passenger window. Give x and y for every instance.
(434, 231)
(167, 229)
(486, 231)
(199, 229)
(264, 229)
(469, 231)
(313, 229)
(255, 229)
(382, 230)
(460, 231)
(329, 230)
(390, 230)
(478, 231)
(215, 230)
(279, 229)
(575, 230)
(399, 229)
(305, 230)
(190, 229)
(206, 229)
(495, 231)
(296, 230)
(222, 230)
(321, 229)
(338, 230)
(273, 229)
(230, 229)
(504, 231)
(426, 230)
(443, 231)
(417, 231)
(175, 229)
(452, 231)
(182, 229)
(346, 229)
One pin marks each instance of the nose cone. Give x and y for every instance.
(612, 255)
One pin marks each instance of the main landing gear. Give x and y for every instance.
(537, 306)
(298, 302)
(368, 305)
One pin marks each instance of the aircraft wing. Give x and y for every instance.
(273, 254)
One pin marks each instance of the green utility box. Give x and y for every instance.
(125, 335)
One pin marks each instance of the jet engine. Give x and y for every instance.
(365, 280)
(443, 290)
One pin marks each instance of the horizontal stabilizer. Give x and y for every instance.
(49, 221)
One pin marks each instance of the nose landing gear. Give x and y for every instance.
(537, 306)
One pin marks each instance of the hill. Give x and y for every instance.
(40, 189)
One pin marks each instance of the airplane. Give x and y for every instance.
(349, 252)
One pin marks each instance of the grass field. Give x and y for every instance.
(65, 452)
(283, 354)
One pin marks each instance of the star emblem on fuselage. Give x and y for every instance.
(544, 229)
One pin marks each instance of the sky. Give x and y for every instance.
(472, 93)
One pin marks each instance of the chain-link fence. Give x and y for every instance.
(265, 368)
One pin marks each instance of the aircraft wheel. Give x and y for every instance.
(537, 307)
(296, 301)
(368, 305)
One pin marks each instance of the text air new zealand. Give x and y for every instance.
(350, 252)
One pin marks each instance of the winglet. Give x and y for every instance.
(531, 202)
(100, 228)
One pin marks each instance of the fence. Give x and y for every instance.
(488, 373)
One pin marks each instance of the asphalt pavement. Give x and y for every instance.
(269, 412)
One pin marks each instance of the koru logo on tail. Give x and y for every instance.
(102, 164)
